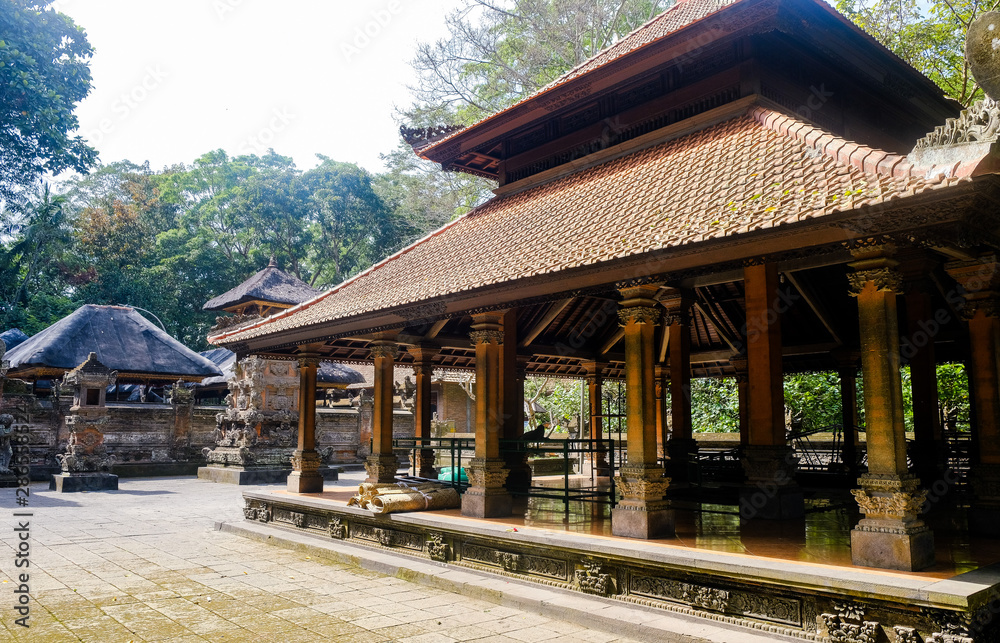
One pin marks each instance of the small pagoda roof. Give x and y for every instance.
(11, 338)
(272, 285)
(329, 373)
(121, 338)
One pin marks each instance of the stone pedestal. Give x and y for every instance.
(771, 492)
(891, 535)
(486, 496)
(305, 476)
(642, 512)
(70, 482)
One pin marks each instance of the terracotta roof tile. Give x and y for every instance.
(738, 175)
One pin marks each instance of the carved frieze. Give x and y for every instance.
(486, 336)
(336, 528)
(978, 123)
(437, 548)
(906, 635)
(640, 315)
(847, 624)
(383, 350)
(885, 280)
(256, 510)
(952, 627)
(592, 580)
(487, 474)
(766, 608)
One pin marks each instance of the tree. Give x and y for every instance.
(932, 41)
(496, 53)
(44, 73)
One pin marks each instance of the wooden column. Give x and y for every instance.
(891, 535)
(305, 476)
(662, 384)
(917, 347)
(739, 363)
(771, 491)
(595, 383)
(848, 374)
(681, 445)
(487, 497)
(980, 284)
(642, 513)
(512, 373)
(423, 374)
(382, 464)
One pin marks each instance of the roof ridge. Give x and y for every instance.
(868, 159)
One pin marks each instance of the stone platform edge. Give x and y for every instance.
(631, 620)
(803, 600)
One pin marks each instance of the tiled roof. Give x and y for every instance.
(681, 14)
(271, 285)
(758, 170)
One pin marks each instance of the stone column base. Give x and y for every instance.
(486, 496)
(305, 476)
(891, 535)
(300, 482)
(426, 467)
(382, 468)
(642, 513)
(771, 492)
(642, 522)
(907, 552)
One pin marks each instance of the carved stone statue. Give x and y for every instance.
(6, 450)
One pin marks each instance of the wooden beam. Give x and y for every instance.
(664, 343)
(554, 309)
(608, 345)
(723, 332)
(436, 328)
(815, 305)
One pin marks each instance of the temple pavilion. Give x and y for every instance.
(738, 188)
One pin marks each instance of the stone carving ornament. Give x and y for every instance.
(487, 474)
(847, 624)
(640, 315)
(6, 431)
(978, 123)
(592, 580)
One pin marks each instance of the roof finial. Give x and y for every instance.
(273, 263)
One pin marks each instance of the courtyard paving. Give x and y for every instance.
(146, 563)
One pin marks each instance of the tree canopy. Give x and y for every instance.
(44, 73)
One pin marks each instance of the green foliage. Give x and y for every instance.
(44, 73)
(928, 35)
(814, 397)
(554, 401)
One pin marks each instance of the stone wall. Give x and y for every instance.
(167, 439)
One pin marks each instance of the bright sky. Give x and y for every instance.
(173, 79)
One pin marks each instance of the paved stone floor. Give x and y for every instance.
(146, 564)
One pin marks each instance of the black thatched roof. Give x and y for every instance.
(329, 372)
(271, 284)
(123, 339)
(11, 338)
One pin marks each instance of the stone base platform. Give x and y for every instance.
(234, 475)
(67, 483)
(784, 599)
